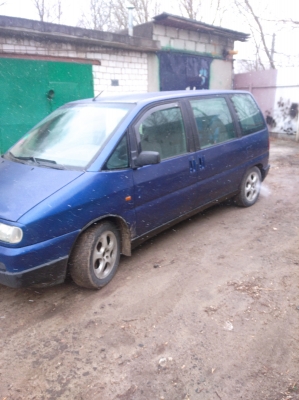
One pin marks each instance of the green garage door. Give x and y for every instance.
(30, 90)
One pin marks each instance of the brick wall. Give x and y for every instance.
(126, 68)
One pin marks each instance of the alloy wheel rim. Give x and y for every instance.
(252, 186)
(104, 254)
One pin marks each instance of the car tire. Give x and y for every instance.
(95, 258)
(250, 188)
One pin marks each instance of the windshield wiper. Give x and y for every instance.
(20, 159)
(49, 163)
(39, 161)
(24, 158)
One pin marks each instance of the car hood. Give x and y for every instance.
(23, 186)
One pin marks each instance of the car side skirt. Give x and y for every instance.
(140, 239)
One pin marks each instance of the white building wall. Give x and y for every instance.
(221, 75)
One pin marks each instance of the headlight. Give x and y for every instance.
(10, 234)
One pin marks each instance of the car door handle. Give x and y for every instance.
(192, 166)
(201, 162)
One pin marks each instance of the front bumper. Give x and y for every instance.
(43, 264)
(43, 275)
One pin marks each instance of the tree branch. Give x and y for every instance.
(261, 34)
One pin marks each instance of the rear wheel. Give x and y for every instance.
(95, 258)
(250, 188)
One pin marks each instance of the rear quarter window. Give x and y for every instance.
(249, 115)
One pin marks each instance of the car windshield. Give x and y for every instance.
(71, 136)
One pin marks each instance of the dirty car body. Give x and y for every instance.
(98, 176)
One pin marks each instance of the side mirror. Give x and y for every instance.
(147, 158)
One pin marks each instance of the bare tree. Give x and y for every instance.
(273, 34)
(119, 17)
(98, 15)
(113, 15)
(191, 8)
(211, 12)
(262, 38)
(143, 11)
(40, 7)
(48, 10)
(261, 33)
(58, 11)
(295, 22)
(218, 11)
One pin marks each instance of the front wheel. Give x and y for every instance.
(95, 258)
(250, 188)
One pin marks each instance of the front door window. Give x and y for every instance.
(163, 131)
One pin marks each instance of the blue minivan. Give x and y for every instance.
(98, 176)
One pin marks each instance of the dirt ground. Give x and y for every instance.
(207, 310)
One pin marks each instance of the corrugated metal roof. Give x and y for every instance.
(193, 25)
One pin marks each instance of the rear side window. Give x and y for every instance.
(213, 120)
(163, 131)
(249, 115)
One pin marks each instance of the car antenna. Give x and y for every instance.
(94, 99)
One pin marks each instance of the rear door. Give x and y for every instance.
(253, 130)
(164, 191)
(218, 157)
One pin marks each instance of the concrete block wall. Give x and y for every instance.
(128, 69)
(202, 44)
(191, 41)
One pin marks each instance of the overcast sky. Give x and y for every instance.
(73, 9)
(279, 9)
(26, 9)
